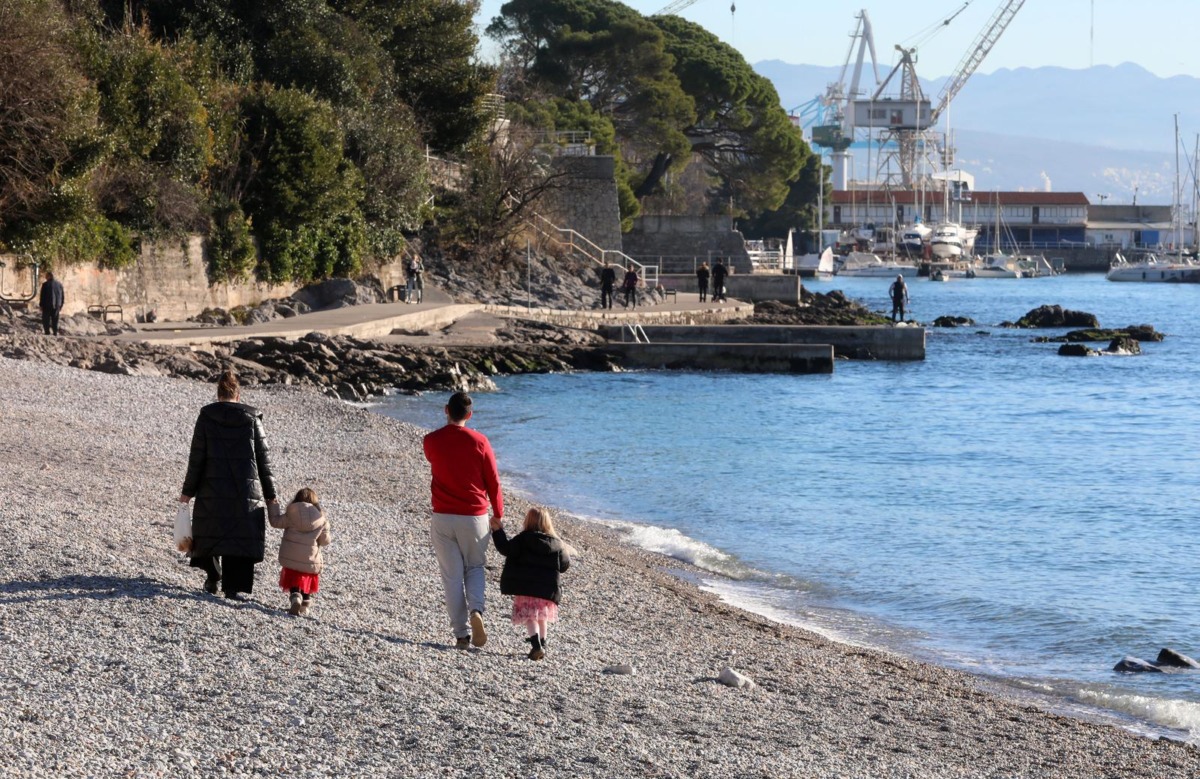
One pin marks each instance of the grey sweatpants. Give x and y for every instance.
(460, 544)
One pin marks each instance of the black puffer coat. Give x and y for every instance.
(534, 561)
(229, 475)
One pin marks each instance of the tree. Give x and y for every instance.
(799, 208)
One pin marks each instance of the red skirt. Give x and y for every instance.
(527, 607)
(307, 583)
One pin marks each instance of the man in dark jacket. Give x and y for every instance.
(608, 282)
(51, 302)
(898, 292)
(229, 475)
(702, 275)
(719, 272)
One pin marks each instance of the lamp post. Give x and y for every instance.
(1102, 198)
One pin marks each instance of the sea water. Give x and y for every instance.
(996, 507)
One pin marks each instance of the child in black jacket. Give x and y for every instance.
(534, 559)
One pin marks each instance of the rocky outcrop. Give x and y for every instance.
(1076, 350)
(1054, 316)
(1141, 333)
(953, 321)
(1171, 659)
(1130, 665)
(816, 308)
(1123, 344)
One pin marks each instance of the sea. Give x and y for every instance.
(995, 508)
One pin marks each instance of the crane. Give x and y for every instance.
(905, 119)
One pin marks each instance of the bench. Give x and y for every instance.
(668, 293)
(102, 311)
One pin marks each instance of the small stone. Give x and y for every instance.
(731, 678)
(623, 669)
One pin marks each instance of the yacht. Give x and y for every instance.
(1151, 267)
(951, 241)
(1000, 266)
(810, 265)
(867, 264)
(913, 239)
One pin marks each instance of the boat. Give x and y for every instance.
(952, 241)
(867, 264)
(913, 239)
(1000, 266)
(812, 264)
(1151, 267)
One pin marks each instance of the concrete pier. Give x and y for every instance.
(878, 343)
(742, 358)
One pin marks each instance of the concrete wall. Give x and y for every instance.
(742, 286)
(744, 358)
(880, 343)
(617, 320)
(587, 202)
(169, 277)
(677, 244)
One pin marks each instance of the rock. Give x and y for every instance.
(1056, 316)
(731, 678)
(953, 321)
(1076, 350)
(623, 669)
(1123, 344)
(336, 293)
(1130, 665)
(1172, 659)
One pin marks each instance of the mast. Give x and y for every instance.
(1178, 195)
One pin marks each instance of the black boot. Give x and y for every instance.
(536, 652)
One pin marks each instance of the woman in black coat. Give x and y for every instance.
(229, 475)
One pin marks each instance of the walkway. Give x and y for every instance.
(438, 311)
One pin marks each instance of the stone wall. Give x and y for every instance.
(169, 277)
(587, 201)
(677, 244)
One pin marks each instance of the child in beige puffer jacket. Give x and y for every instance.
(305, 531)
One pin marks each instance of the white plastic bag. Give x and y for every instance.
(183, 527)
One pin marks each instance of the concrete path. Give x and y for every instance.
(426, 322)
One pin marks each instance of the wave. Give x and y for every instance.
(674, 544)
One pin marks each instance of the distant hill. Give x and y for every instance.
(1098, 130)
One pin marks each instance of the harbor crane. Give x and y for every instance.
(906, 118)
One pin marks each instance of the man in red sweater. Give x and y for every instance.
(465, 481)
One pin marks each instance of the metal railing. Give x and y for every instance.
(579, 243)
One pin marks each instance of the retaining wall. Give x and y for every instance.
(752, 287)
(880, 343)
(677, 244)
(743, 358)
(618, 320)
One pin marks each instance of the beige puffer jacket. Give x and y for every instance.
(305, 531)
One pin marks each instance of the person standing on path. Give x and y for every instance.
(630, 285)
(416, 281)
(899, 294)
(702, 280)
(719, 272)
(608, 281)
(465, 480)
(50, 299)
(229, 475)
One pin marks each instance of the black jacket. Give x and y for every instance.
(608, 277)
(534, 561)
(51, 296)
(229, 475)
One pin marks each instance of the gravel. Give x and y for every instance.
(113, 662)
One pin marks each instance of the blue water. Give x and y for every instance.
(996, 507)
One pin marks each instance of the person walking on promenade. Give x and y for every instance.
(229, 475)
(465, 480)
(719, 272)
(630, 285)
(702, 280)
(533, 560)
(416, 281)
(899, 295)
(50, 300)
(608, 280)
(305, 531)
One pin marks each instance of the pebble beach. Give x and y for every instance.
(114, 662)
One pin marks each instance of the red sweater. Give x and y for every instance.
(464, 472)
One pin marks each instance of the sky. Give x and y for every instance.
(1159, 36)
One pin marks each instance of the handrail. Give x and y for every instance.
(639, 335)
(578, 241)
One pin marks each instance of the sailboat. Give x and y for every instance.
(913, 238)
(1150, 267)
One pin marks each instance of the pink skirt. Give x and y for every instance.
(527, 607)
(307, 583)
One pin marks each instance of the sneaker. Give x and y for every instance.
(305, 605)
(462, 643)
(210, 584)
(478, 634)
(535, 652)
(297, 604)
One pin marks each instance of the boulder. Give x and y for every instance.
(1056, 316)
(731, 678)
(335, 293)
(953, 321)
(1172, 659)
(1076, 350)
(1132, 665)
(1123, 344)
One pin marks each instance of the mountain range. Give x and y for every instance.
(1106, 131)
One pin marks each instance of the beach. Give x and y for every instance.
(114, 662)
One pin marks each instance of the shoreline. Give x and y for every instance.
(116, 661)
